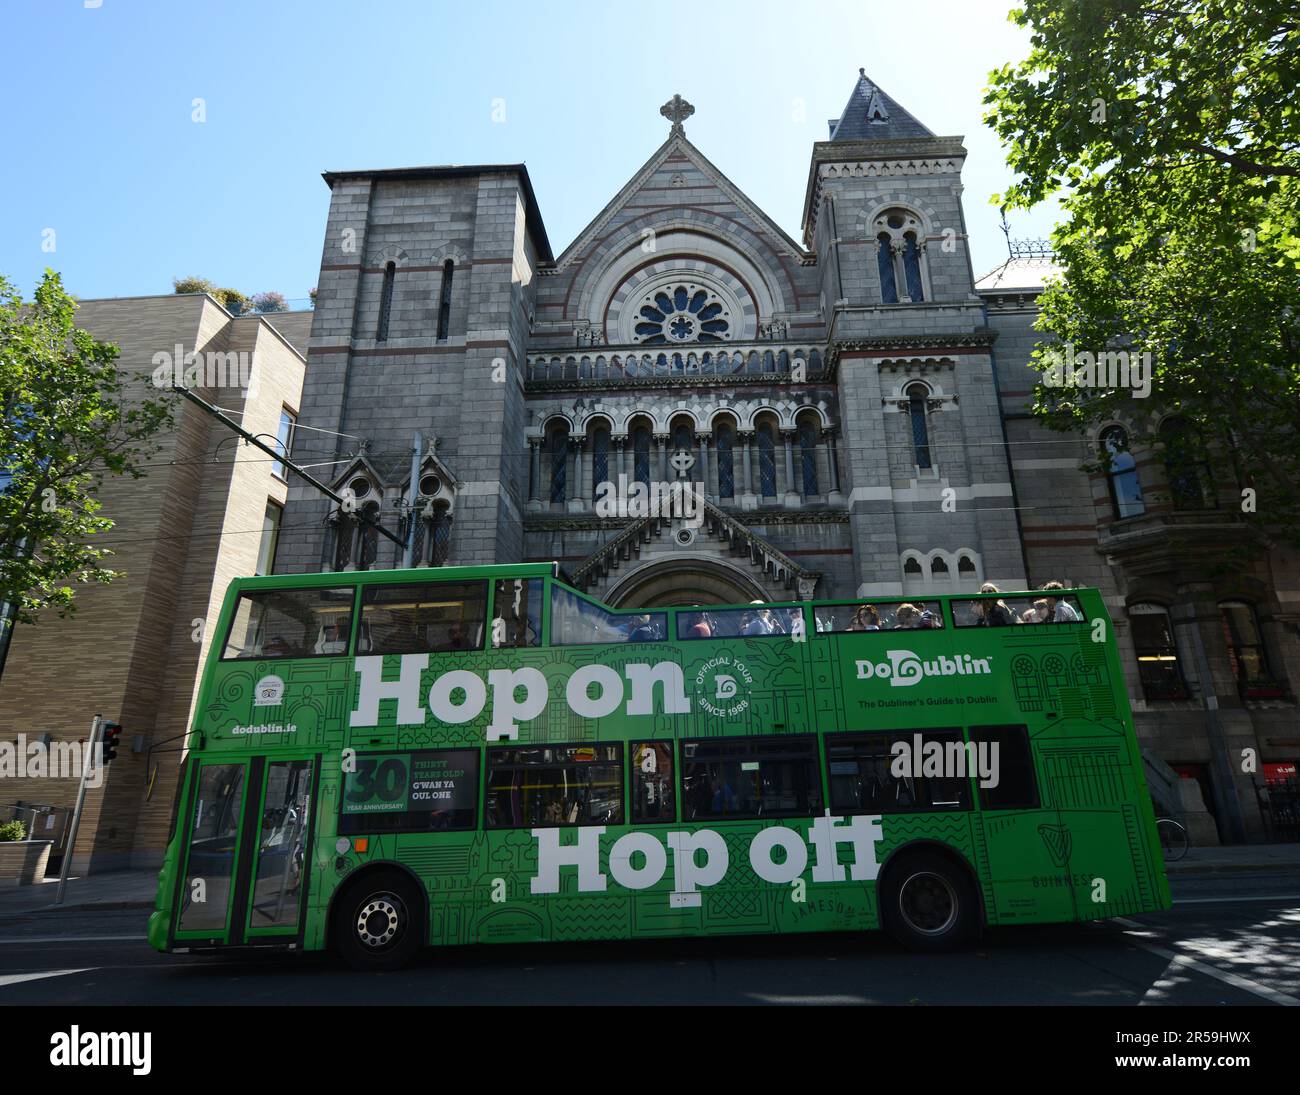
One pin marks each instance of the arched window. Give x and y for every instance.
(439, 535)
(900, 254)
(356, 539)
(683, 440)
(444, 300)
(1246, 652)
(885, 263)
(559, 463)
(912, 267)
(1121, 475)
(1157, 654)
(965, 567)
(939, 569)
(345, 531)
(912, 568)
(916, 397)
(368, 536)
(766, 460)
(599, 458)
(808, 455)
(726, 465)
(1187, 472)
(641, 454)
(386, 301)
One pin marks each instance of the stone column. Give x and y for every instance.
(536, 490)
(793, 488)
(662, 440)
(620, 446)
(534, 443)
(747, 498)
(577, 499)
(833, 466)
(704, 463)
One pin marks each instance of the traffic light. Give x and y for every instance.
(108, 741)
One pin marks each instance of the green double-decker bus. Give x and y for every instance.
(386, 760)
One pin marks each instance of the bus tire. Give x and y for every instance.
(929, 904)
(377, 921)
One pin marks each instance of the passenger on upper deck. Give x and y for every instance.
(1061, 612)
(642, 630)
(992, 613)
(908, 616)
(866, 618)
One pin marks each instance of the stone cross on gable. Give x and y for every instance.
(677, 110)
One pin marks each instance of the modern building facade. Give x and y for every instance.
(207, 510)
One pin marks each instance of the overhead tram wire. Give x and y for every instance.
(363, 515)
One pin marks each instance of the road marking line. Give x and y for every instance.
(74, 939)
(7, 979)
(1233, 979)
(1236, 900)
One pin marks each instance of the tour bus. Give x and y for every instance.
(386, 760)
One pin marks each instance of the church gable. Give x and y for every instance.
(678, 226)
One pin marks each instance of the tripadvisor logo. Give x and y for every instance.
(904, 668)
(718, 687)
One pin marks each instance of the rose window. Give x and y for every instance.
(685, 313)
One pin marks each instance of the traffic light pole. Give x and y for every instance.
(92, 757)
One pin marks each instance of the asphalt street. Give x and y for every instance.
(1230, 939)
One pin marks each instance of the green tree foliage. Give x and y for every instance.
(69, 422)
(1172, 130)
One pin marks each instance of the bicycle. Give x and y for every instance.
(1173, 839)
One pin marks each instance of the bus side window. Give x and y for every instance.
(545, 785)
(517, 613)
(416, 617)
(290, 623)
(653, 798)
(1013, 766)
(863, 769)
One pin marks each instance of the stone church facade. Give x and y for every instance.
(852, 405)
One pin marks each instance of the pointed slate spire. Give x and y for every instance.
(871, 115)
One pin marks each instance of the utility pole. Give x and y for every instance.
(92, 757)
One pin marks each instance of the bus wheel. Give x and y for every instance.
(929, 904)
(376, 922)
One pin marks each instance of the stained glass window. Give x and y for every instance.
(920, 430)
(682, 314)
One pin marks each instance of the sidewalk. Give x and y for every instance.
(137, 889)
(111, 890)
(1238, 857)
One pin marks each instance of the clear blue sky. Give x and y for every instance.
(99, 144)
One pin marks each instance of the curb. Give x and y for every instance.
(85, 906)
(1229, 868)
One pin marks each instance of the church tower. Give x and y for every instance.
(928, 489)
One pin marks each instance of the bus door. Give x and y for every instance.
(250, 824)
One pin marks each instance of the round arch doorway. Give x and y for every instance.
(684, 582)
